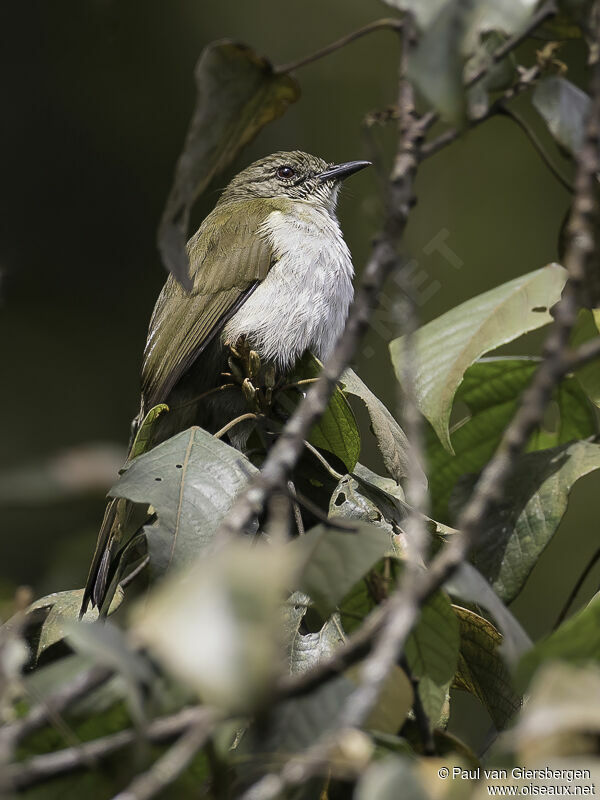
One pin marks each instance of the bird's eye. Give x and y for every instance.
(285, 172)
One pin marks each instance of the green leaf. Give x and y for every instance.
(535, 499)
(588, 327)
(191, 481)
(305, 650)
(564, 108)
(237, 95)
(432, 654)
(142, 437)
(62, 608)
(395, 700)
(332, 561)
(336, 431)
(398, 457)
(448, 345)
(468, 584)
(481, 671)
(491, 389)
(577, 641)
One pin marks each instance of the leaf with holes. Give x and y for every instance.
(191, 481)
(432, 654)
(448, 345)
(238, 93)
(481, 670)
(305, 650)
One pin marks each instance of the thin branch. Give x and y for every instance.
(233, 423)
(535, 141)
(56, 704)
(526, 80)
(378, 25)
(170, 766)
(575, 590)
(39, 768)
(544, 13)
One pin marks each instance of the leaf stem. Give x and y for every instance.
(388, 23)
(575, 590)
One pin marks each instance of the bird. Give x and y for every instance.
(269, 268)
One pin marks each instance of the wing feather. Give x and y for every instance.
(229, 256)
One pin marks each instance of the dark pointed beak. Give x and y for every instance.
(341, 171)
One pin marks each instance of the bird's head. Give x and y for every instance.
(294, 175)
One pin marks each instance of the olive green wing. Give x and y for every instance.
(229, 256)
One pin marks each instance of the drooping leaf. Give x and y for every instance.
(564, 108)
(398, 457)
(535, 499)
(436, 63)
(481, 670)
(305, 650)
(238, 93)
(336, 431)
(191, 481)
(576, 641)
(588, 327)
(448, 345)
(333, 560)
(217, 626)
(432, 654)
(491, 389)
(468, 584)
(62, 608)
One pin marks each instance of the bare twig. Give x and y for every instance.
(170, 765)
(378, 25)
(40, 768)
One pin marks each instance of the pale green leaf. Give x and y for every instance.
(305, 650)
(564, 108)
(448, 345)
(588, 327)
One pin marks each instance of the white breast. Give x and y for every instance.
(303, 302)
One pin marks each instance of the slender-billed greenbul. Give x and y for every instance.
(269, 267)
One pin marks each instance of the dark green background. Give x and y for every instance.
(96, 99)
